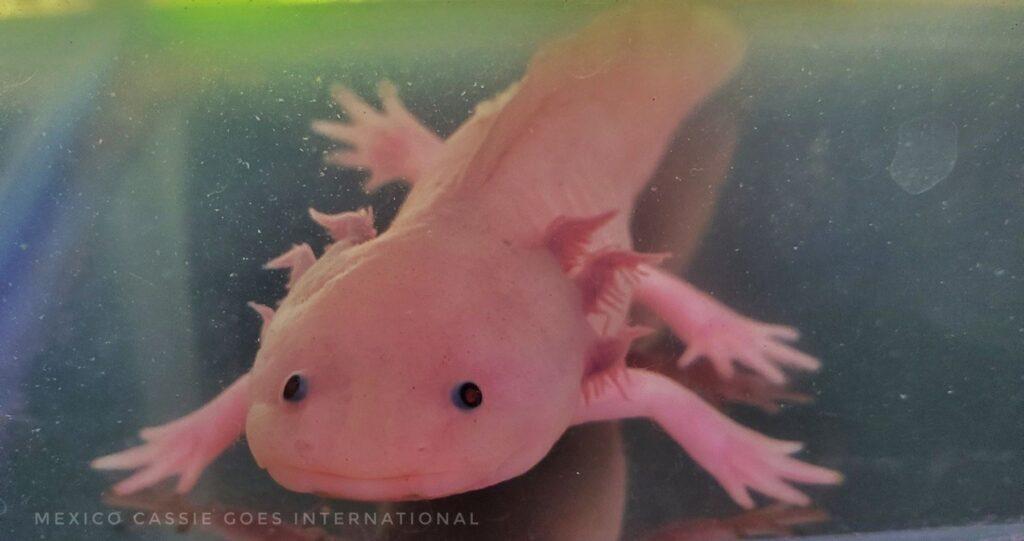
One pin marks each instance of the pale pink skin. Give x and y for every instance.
(468, 285)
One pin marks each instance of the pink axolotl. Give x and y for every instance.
(450, 352)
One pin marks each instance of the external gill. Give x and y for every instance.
(351, 228)
(603, 275)
(606, 361)
(345, 228)
(296, 261)
(266, 316)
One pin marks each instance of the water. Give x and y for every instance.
(861, 178)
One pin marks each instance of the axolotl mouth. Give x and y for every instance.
(414, 486)
(420, 486)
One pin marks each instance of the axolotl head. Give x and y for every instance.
(413, 370)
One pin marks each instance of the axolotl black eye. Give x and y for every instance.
(467, 396)
(295, 388)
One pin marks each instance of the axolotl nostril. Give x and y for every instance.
(451, 351)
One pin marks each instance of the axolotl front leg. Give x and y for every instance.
(186, 446)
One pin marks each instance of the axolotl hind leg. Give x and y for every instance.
(390, 143)
(183, 447)
(740, 459)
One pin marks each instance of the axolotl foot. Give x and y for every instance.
(740, 459)
(713, 331)
(389, 143)
(184, 447)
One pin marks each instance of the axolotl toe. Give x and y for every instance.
(450, 352)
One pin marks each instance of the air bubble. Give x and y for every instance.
(925, 153)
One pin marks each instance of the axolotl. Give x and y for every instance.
(450, 352)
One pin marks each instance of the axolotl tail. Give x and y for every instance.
(584, 130)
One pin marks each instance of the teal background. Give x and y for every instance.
(153, 158)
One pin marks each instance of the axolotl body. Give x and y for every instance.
(450, 352)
